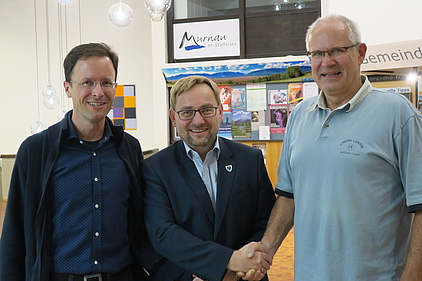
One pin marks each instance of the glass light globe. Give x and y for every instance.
(158, 6)
(37, 127)
(51, 102)
(300, 5)
(49, 91)
(155, 16)
(120, 15)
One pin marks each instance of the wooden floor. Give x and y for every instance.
(281, 270)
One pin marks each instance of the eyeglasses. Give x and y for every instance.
(89, 84)
(333, 53)
(189, 114)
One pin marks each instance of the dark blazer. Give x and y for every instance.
(181, 221)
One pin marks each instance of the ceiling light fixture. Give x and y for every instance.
(120, 14)
(157, 8)
(38, 126)
(50, 96)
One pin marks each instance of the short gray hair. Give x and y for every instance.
(354, 32)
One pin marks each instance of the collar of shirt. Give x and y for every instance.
(207, 169)
(74, 135)
(213, 154)
(360, 95)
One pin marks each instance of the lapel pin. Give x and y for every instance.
(229, 168)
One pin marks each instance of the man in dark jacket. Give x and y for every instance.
(205, 196)
(74, 209)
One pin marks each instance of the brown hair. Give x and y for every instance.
(85, 51)
(186, 83)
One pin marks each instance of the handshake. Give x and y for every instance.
(251, 262)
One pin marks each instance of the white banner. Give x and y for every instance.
(394, 55)
(206, 39)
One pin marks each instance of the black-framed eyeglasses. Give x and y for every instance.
(189, 114)
(89, 84)
(333, 53)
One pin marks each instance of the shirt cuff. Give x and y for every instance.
(285, 194)
(414, 208)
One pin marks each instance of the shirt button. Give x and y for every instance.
(326, 125)
(97, 234)
(81, 142)
(95, 262)
(95, 154)
(96, 206)
(95, 179)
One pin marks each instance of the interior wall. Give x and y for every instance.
(380, 22)
(142, 50)
(140, 63)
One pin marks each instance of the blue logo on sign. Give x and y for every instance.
(186, 39)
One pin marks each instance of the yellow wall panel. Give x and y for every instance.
(272, 155)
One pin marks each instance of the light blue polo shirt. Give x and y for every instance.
(353, 173)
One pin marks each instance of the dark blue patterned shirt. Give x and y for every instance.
(90, 187)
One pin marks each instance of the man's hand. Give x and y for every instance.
(252, 267)
(251, 249)
(258, 247)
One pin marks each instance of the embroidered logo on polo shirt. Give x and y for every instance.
(351, 147)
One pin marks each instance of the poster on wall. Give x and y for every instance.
(238, 98)
(238, 73)
(310, 89)
(123, 111)
(278, 118)
(225, 97)
(256, 96)
(264, 133)
(295, 91)
(225, 129)
(241, 123)
(257, 119)
(277, 96)
(205, 39)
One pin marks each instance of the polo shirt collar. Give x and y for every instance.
(360, 95)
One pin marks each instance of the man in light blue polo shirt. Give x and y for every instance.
(350, 173)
